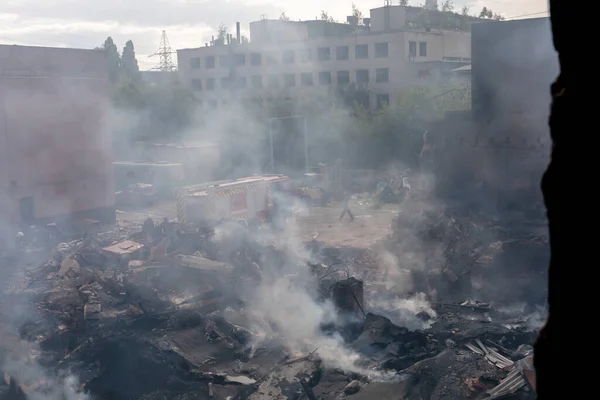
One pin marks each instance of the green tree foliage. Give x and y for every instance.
(144, 110)
(489, 14)
(326, 17)
(113, 59)
(357, 14)
(352, 95)
(448, 6)
(129, 63)
(221, 38)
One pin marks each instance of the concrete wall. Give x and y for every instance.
(55, 148)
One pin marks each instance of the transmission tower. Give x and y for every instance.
(164, 53)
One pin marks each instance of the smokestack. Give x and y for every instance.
(237, 33)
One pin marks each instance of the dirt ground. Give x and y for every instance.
(320, 223)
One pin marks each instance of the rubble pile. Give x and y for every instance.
(161, 313)
(463, 253)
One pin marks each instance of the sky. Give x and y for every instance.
(188, 23)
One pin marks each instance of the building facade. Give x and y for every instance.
(55, 148)
(396, 48)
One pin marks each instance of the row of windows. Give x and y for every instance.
(361, 52)
(382, 75)
(381, 99)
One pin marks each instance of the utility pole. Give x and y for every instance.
(164, 53)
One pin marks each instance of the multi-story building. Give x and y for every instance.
(396, 48)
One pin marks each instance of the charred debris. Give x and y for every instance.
(163, 313)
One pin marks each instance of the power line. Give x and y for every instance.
(528, 15)
(164, 53)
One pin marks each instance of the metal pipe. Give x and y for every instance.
(237, 32)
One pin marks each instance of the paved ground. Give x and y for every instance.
(321, 223)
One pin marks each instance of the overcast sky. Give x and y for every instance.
(189, 23)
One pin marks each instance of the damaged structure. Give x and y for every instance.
(55, 148)
(181, 310)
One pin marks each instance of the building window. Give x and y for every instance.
(383, 99)
(325, 78)
(210, 84)
(361, 51)
(241, 82)
(196, 84)
(343, 78)
(305, 55)
(288, 57)
(412, 49)
(381, 50)
(306, 79)
(382, 75)
(224, 61)
(362, 76)
(240, 60)
(209, 62)
(195, 62)
(273, 80)
(323, 54)
(422, 49)
(341, 53)
(271, 59)
(255, 59)
(289, 80)
(257, 81)
(212, 104)
(225, 83)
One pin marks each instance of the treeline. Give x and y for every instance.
(144, 108)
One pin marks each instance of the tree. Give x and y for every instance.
(353, 95)
(114, 61)
(283, 17)
(448, 6)
(486, 13)
(129, 63)
(403, 3)
(221, 38)
(357, 14)
(489, 14)
(465, 11)
(326, 17)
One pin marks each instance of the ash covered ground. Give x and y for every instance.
(437, 303)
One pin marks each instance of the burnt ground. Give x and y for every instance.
(175, 318)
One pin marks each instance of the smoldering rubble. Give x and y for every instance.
(162, 311)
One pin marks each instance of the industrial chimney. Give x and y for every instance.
(237, 33)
